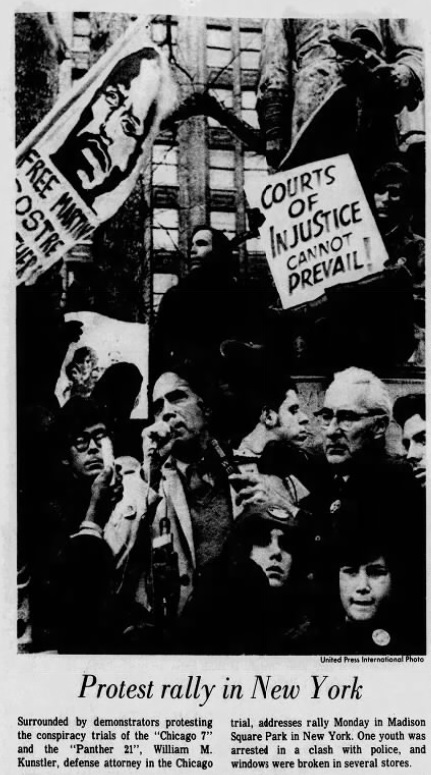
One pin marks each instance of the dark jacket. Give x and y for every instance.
(234, 611)
(204, 309)
(375, 477)
(379, 498)
(72, 600)
(386, 636)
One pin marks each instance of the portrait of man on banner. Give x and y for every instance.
(105, 145)
(90, 148)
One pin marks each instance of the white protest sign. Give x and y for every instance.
(319, 229)
(103, 342)
(82, 161)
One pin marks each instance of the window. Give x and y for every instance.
(221, 169)
(165, 229)
(225, 222)
(219, 47)
(250, 49)
(255, 174)
(164, 165)
(159, 31)
(248, 108)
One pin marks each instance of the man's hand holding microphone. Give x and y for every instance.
(157, 444)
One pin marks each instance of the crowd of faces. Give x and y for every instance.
(348, 426)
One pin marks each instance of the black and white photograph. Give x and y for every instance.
(220, 335)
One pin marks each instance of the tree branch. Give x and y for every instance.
(204, 104)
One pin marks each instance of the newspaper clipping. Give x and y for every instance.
(220, 521)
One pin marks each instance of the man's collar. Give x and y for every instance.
(341, 477)
(181, 466)
(173, 464)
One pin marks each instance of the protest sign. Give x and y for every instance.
(82, 161)
(103, 342)
(319, 230)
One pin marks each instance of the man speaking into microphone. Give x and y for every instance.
(186, 477)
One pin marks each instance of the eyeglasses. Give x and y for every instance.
(82, 442)
(345, 418)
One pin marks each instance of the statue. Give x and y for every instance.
(332, 86)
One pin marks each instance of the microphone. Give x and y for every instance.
(158, 437)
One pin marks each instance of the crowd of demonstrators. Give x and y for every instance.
(195, 547)
(227, 527)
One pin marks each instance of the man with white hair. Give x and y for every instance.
(356, 413)
(363, 478)
(355, 416)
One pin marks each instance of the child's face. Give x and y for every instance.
(271, 554)
(363, 588)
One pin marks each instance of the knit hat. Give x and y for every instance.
(255, 517)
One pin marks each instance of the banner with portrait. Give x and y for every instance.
(80, 164)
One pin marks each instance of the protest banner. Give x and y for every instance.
(319, 230)
(80, 164)
(103, 342)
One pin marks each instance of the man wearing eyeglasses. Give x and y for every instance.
(355, 416)
(85, 452)
(356, 413)
(72, 565)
